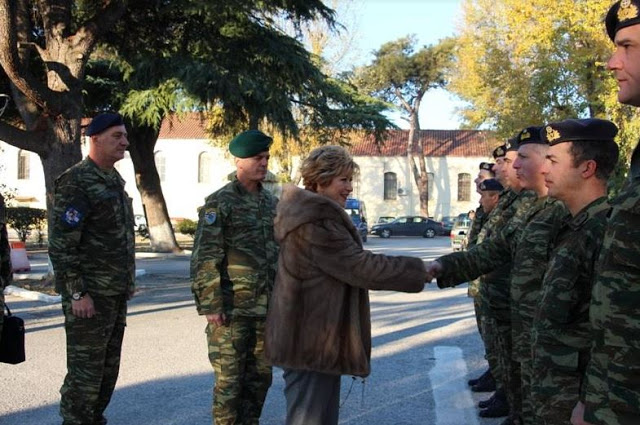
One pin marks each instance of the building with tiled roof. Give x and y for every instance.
(191, 167)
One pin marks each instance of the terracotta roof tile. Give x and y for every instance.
(191, 126)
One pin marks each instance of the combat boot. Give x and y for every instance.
(483, 404)
(486, 384)
(497, 409)
(474, 381)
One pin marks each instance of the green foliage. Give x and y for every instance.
(187, 227)
(24, 220)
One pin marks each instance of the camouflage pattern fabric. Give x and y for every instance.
(233, 268)
(6, 275)
(529, 265)
(561, 334)
(92, 249)
(92, 243)
(472, 238)
(243, 377)
(93, 359)
(612, 388)
(233, 264)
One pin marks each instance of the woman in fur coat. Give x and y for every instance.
(318, 324)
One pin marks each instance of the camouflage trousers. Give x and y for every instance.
(555, 382)
(93, 360)
(478, 310)
(2, 309)
(511, 372)
(491, 330)
(242, 375)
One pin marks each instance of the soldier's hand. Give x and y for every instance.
(216, 319)
(577, 416)
(83, 308)
(434, 269)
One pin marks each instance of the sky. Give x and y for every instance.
(380, 21)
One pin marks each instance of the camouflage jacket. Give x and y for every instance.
(561, 329)
(6, 274)
(494, 291)
(234, 258)
(476, 225)
(613, 376)
(492, 253)
(92, 244)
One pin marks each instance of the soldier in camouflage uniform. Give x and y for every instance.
(611, 389)
(524, 241)
(6, 274)
(233, 270)
(92, 251)
(581, 157)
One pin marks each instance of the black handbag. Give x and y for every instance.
(12, 339)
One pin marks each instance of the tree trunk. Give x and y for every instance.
(416, 149)
(161, 235)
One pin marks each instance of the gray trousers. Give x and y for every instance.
(313, 398)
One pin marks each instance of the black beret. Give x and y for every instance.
(103, 121)
(579, 130)
(491, 184)
(622, 14)
(530, 135)
(486, 166)
(499, 152)
(511, 144)
(249, 143)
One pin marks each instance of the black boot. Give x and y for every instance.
(473, 382)
(497, 409)
(483, 404)
(485, 384)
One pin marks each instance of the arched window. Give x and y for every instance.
(160, 165)
(390, 185)
(464, 187)
(23, 165)
(204, 167)
(430, 185)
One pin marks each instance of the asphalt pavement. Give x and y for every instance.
(425, 348)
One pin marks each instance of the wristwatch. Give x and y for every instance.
(77, 296)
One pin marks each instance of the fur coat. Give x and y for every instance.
(319, 318)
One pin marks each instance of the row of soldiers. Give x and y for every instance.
(559, 264)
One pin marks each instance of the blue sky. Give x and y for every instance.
(380, 21)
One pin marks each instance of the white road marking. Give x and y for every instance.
(453, 402)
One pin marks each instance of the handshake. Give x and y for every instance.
(434, 270)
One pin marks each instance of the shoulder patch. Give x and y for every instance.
(72, 217)
(210, 216)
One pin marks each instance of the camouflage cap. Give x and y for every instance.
(486, 166)
(623, 13)
(499, 152)
(530, 135)
(579, 130)
(491, 185)
(102, 122)
(511, 144)
(249, 143)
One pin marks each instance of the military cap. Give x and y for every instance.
(579, 130)
(499, 152)
(490, 185)
(511, 144)
(622, 14)
(486, 166)
(249, 143)
(103, 121)
(530, 135)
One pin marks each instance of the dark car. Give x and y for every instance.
(409, 226)
(448, 222)
(358, 213)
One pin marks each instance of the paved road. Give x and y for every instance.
(425, 347)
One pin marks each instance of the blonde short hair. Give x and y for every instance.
(325, 163)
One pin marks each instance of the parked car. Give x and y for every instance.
(409, 226)
(448, 222)
(358, 213)
(459, 233)
(385, 219)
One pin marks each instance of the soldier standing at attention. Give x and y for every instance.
(5, 258)
(92, 250)
(233, 269)
(611, 389)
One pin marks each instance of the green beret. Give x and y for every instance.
(622, 14)
(249, 143)
(530, 135)
(491, 185)
(486, 166)
(583, 130)
(499, 152)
